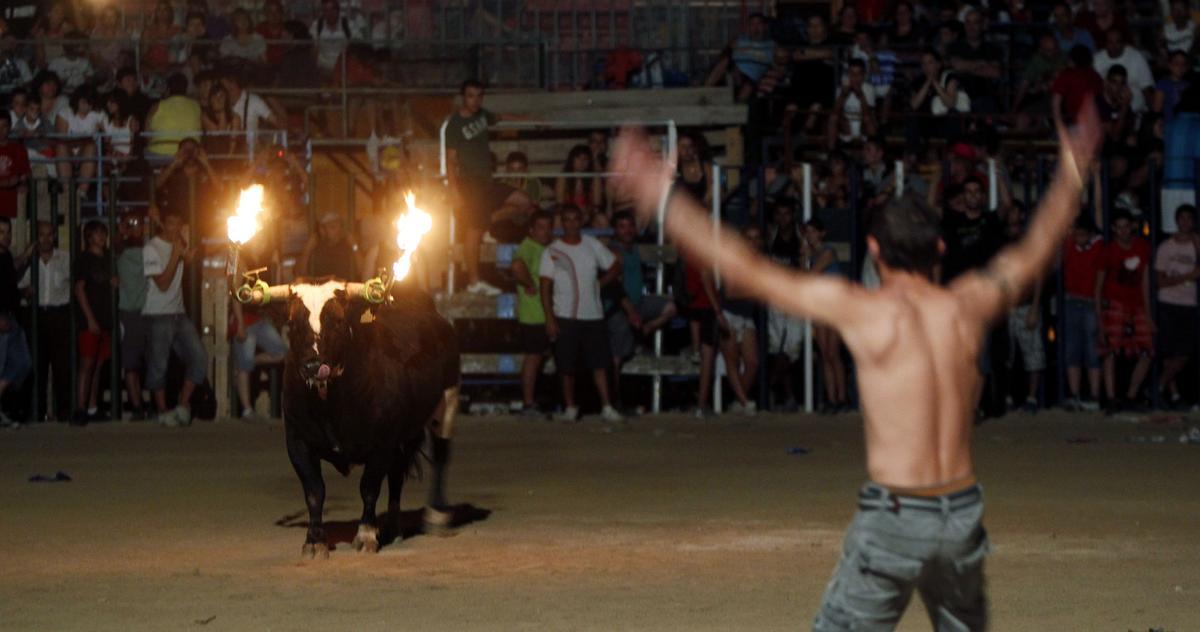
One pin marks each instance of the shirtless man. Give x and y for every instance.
(915, 346)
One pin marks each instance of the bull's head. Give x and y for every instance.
(322, 317)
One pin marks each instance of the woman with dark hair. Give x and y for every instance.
(81, 122)
(156, 39)
(906, 33)
(583, 192)
(243, 42)
(218, 120)
(120, 126)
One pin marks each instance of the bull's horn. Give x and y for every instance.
(373, 291)
(261, 294)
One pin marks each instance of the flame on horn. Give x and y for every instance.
(411, 226)
(243, 224)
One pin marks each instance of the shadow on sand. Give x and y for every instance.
(409, 525)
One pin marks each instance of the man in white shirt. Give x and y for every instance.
(574, 315)
(54, 322)
(854, 111)
(169, 326)
(333, 32)
(1138, 71)
(73, 67)
(251, 108)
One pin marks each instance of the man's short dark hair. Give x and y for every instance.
(567, 207)
(4, 221)
(539, 215)
(92, 226)
(18, 91)
(1081, 56)
(1121, 214)
(517, 156)
(126, 71)
(858, 63)
(5, 116)
(81, 93)
(177, 85)
(623, 216)
(1117, 70)
(972, 180)
(196, 15)
(1185, 208)
(907, 232)
(470, 83)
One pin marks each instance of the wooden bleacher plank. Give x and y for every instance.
(510, 364)
(501, 255)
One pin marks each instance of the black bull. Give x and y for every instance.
(362, 392)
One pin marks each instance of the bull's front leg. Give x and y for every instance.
(367, 538)
(308, 468)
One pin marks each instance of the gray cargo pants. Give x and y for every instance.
(899, 543)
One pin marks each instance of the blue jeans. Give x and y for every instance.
(260, 335)
(173, 332)
(1080, 334)
(15, 362)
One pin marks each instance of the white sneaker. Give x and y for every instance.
(736, 408)
(570, 413)
(183, 415)
(7, 422)
(167, 419)
(1089, 405)
(611, 414)
(484, 288)
(751, 408)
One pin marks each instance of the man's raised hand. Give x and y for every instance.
(641, 175)
(1077, 147)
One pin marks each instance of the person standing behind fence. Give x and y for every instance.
(1175, 267)
(14, 170)
(131, 299)
(1123, 305)
(784, 333)
(822, 258)
(14, 350)
(168, 325)
(1025, 324)
(469, 170)
(531, 317)
(739, 343)
(574, 316)
(54, 320)
(93, 284)
(1083, 255)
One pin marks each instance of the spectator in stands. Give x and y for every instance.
(881, 70)
(1102, 19)
(1033, 91)
(1123, 300)
(16, 104)
(1073, 85)
(906, 32)
(137, 103)
(1175, 265)
(973, 235)
(331, 252)
(189, 187)
(1025, 324)
(1179, 29)
(1169, 90)
(131, 299)
(110, 43)
(846, 28)
(220, 122)
(253, 110)
(256, 340)
(751, 55)
(531, 318)
(948, 34)
(517, 163)
(941, 90)
(853, 117)
(93, 284)
(333, 32)
(243, 42)
(54, 321)
(570, 294)
(298, 68)
(784, 333)
(813, 74)
(822, 258)
(582, 191)
(50, 30)
(694, 167)
(598, 146)
(1116, 115)
(193, 41)
(739, 341)
(977, 63)
(157, 38)
(469, 167)
(877, 178)
(1083, 255)
(702, 308)
(173, 119)
(14, 71)
(14, 169)
(833, 183)
(1115, 53)
(170, 329)
(271, 29)
(15, 362)
(81, 122)
(636, 314)
(73, 67)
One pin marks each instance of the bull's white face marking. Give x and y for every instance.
(314, 298)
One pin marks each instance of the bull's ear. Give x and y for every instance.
(340, 295)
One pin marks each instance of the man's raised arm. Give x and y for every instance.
(990, 291)
(645, 179)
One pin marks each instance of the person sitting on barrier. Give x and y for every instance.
(254, 111)
(218, 119)
(14, 349)
(531, 318)
(54, 321)
(82, 122)
(574, 317)
(131, 298)
(582, 191)
(172, 120)
(243, 42)
(73, 67)
(14, 170)
(518, 163)
(14, 71)
(170, 329)
(120, 128)
(93, 284)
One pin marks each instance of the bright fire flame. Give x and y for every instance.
(411, 226)
(243, 224)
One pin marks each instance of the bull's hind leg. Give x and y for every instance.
(308, 468)
(437, 510)
(367, 538)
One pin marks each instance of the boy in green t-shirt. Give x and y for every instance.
(530, 316)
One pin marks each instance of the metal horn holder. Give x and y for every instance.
(378, 290)
(253, 286)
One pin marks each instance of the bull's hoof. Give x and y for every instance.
(314, 551)
(367, 539)
(438, 521)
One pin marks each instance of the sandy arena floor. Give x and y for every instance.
(671, 525)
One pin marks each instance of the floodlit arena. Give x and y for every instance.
(624, 315)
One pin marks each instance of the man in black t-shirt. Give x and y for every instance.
(977, 64)
(93, 282)
(972, 235)
(15, 362)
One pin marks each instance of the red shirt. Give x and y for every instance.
(14, 161)
(1124, 269)
(697, 297)
(274, 50)
(1075, 86)
(1080, 265)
